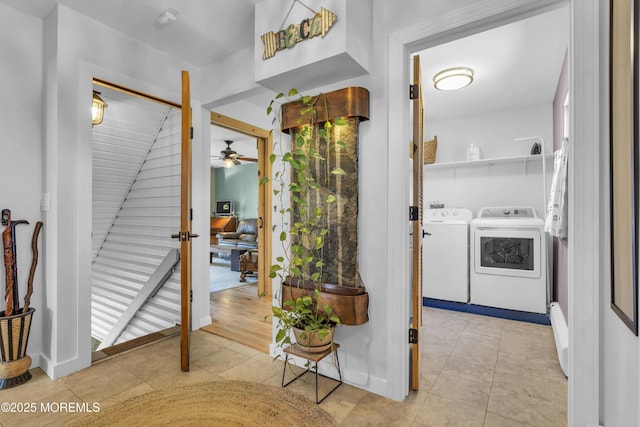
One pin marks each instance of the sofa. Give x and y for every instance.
(245, 236)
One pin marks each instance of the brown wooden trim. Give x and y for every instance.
(348, 102)
(237, 125)
(416, 299)
(134, 92)
(185, 226)
(265, 201)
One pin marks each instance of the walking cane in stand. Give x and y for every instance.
(34, 262)
(8, 269)
(11, 262)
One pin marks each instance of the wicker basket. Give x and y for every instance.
(14, 334)
(14, 362)
(430, 148)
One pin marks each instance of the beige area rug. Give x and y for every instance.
(218, 403)
(221, 277)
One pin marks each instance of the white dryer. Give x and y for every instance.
(445, 254)
(508, 259)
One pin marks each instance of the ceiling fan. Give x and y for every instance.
(231, 158)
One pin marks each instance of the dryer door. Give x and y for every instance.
(507, 252)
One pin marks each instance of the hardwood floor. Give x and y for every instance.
(239, 315)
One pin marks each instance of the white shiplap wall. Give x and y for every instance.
(136, 207)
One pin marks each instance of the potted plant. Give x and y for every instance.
(303, 224)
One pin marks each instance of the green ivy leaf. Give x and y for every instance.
(283, 236)
(272, 158)
(274, 268)
(340, 121)
(264, 180)
(342, 144)
(338, 171)
(293, 92)
(331, 198)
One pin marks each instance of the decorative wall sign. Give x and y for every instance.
(308, 28)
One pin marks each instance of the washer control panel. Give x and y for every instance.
(507, 212)
(448, 214)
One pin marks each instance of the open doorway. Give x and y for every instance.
(240, 247)
(506, 170)
(135, 207)
(234, 209)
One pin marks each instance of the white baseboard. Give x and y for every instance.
(204, 321)
(561, 336)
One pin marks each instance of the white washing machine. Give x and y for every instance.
(445, 254)
(508, 259)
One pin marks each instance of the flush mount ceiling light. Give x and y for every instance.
(453, 78)
(97, 109)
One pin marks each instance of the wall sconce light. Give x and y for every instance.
(453, 78)
(97, 109)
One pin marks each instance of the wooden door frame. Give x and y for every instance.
(265, 214)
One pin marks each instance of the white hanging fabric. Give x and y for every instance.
(556, 219)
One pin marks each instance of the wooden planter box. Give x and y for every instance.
(351, 305)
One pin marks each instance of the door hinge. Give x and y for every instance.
(413, 336)
(191, 295)
(414, 214)
(413, 91)
(191, 133)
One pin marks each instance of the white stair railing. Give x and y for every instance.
(155, 282)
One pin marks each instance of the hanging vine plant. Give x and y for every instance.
(303, 177)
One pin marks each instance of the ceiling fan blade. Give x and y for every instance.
(248, 159)
(236, 162)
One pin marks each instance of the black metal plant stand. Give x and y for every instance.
(298, 350)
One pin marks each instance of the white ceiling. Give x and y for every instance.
(204, 31)
(515, 65)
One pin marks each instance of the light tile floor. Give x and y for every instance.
(476, 371)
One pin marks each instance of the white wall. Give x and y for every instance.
(21, 148)
(494, 132)
(499, 184)
(76, 50)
